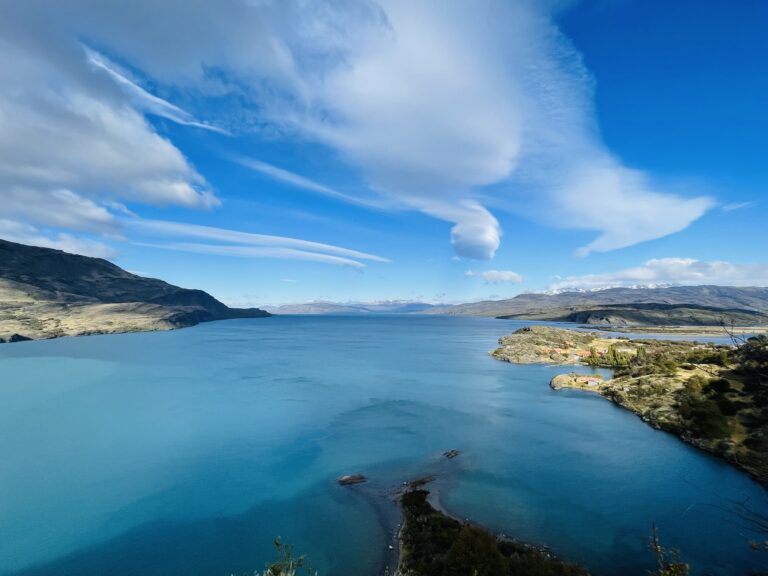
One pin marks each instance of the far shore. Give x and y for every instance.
(683, 330)
(697, 391)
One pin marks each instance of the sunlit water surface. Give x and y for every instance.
(187, 452)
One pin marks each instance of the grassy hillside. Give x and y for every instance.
(46, 293)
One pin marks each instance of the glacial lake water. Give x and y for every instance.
(187, 452)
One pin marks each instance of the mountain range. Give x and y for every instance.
(46, 293)
(636, 306)
(682, 305)
(350, 308)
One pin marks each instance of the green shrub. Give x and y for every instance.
(728, 407)
(695, 384)
(757, 442)
(704, 417)
(720, 385)
(667, 559)
(437, 545)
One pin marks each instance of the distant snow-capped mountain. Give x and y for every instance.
(331, 308)
(578, 289)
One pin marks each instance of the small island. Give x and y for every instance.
(712, 396)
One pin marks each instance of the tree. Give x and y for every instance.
(616, 358)
(286, 563)
(752, 358)
(667, 559)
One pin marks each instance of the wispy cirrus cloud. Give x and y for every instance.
(180, 229)
(299, 181)
(253, 252)
(672, 271)
(731, 206)
(246, 244)
(143, 99)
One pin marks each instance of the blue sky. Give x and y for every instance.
(280, 152)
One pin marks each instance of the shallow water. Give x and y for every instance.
(187, 452)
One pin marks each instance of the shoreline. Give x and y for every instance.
(464, 545)
(693, 442)
(432, 479)
(681, 330)
(17, 338)
(690, 389)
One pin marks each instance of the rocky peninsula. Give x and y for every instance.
(427, 540)
(712, 396)
(433, 543)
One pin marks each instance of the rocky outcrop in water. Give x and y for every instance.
(351, 479)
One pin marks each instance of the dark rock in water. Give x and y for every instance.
(18, 338)
(350, 479)
(451, 454)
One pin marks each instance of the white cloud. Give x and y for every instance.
(452, 108)
(448, 109)
(178, 229)
(73, 146)
(74, 141)
(496, 276)
(299, 181)
(672, 271)
(476, 233)
(253, 252)
(623, 206)
(56, 207)
(737, 206)
(143, 99)
(27, 234)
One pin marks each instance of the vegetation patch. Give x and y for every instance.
(434, 544)
(712, 396)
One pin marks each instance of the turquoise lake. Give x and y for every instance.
(188, 452)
